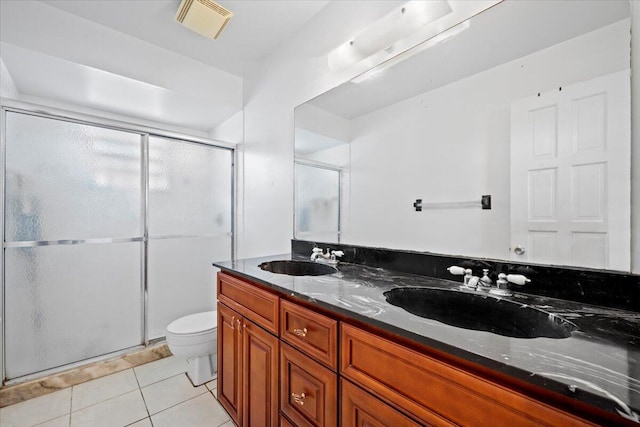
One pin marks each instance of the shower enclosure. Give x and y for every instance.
(108, 235)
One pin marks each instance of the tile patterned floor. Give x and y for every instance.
(157, 394)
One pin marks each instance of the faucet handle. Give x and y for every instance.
(517, 279)
(456, 271)
(316, 250)
(337, 253)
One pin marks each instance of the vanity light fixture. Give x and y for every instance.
(382, 34)
(205, 17)
(412, 51)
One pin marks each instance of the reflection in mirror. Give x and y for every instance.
(528, 101)
(317, 202)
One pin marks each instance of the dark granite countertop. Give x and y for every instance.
(598, 364)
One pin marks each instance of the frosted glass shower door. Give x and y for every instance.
(317, 203)
(189, 226)
(73, 242)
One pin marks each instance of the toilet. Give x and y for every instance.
(194, 337)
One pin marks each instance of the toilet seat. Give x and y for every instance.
(194, 324)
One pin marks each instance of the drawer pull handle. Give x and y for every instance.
(300, 332)
(298, 398)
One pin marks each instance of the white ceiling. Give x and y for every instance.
(255, 30)
(132, 58)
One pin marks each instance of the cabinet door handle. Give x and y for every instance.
(298, 398)
(238, 325)
(300, 332)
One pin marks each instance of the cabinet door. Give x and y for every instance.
(308, 390)
(260, 376)
(361, 409)
(230, 362)
(436, 392)
(285, 422)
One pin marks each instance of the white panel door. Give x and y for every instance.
(571, 175)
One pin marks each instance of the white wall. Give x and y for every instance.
(231, 130)
(314, 119)
(459, 134)
(297, 72)
(7, 86)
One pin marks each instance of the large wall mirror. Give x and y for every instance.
(528, 101)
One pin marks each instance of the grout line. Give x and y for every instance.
(171, 376)
(142, 394)
(180, 403)
(70, 405)
(206, 390)
(156, 382)
(137, 421)
(106, 400)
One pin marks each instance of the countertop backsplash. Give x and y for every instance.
(598, 287)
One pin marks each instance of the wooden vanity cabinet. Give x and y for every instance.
(308, 390)
(308, 366)
(253, 364)
(435, 392)
(312, 333)
(247, 354)
(361, 409)
(229, 363)
(280, 362)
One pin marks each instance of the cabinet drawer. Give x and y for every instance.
(435, 391)
(312, 333)
(359, 409)
(308, 390)
(254, 303)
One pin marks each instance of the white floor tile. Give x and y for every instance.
(211, 385)
(38, 410)
(166, 393)
(101, 389)
(142, 423)
(160, 370)
(58, 422)
(117, 412)
(228, 424)
(201, 411)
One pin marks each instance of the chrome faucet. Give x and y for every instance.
(485, 284)
(503, 279)
(331, 257)
(315, 253)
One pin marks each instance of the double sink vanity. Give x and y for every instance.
(387, 338)
(502, 141)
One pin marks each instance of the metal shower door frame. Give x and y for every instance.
(318, 165)
(7, 106)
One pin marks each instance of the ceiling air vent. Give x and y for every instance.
(204, 17)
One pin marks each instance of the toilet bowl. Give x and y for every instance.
(194, 337)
